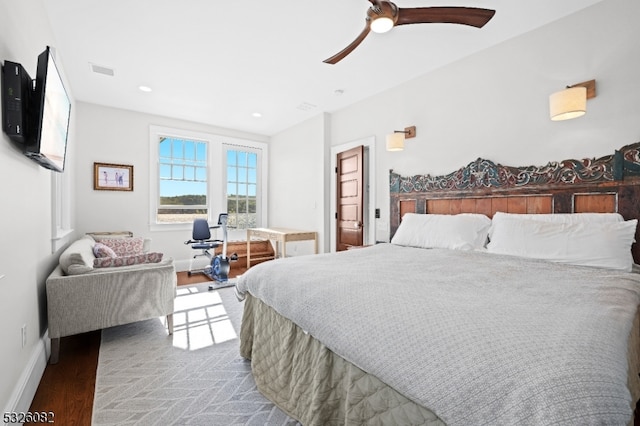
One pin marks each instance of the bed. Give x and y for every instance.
(441, 327)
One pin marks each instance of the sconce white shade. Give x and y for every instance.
(395, 142)
(568, 103)
(381, 25)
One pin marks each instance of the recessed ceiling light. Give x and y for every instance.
(144, 88)
(256, 115)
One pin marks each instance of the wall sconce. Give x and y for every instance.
(395, 141)
(572, 101)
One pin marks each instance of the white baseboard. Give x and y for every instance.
(186, 264)
(27, 385)
(182, 265)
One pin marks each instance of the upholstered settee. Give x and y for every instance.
(86, 293)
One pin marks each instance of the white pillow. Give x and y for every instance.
(464, 231)
(597, 244)
(557, 218)
(78, 257)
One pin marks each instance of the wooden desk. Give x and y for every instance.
(280, 235)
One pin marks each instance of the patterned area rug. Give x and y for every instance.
(195, 377)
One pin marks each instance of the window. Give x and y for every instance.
(61, 229)
(199, 175)
(242, 187)
(182, 175)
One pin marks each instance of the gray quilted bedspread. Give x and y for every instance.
(479, 339)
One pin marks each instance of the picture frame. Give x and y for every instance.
(112, 177)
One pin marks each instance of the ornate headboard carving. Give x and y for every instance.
(606, 184)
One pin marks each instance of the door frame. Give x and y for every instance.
(369, 185)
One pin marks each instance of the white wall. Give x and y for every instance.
(26, 257)
(494, 104)
(298, 173)
(111, 135)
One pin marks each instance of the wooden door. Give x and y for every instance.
(350, 198)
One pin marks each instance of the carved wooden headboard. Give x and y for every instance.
(604, 185)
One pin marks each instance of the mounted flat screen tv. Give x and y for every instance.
(50, 111)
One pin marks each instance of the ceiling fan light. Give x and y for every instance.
(381, 24)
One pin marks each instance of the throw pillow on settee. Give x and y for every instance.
(85, 255)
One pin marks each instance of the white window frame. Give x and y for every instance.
(261, 178)
(61, 200)
(208, 176)
(217, 200)
(61, 230)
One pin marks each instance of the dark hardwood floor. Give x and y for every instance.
(67, 388)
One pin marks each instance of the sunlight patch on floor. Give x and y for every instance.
(200, 320)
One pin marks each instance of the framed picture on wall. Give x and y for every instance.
(112, 177)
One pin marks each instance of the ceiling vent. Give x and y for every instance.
(99, 69)
(306, 106)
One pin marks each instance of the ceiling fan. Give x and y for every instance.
(384, 15)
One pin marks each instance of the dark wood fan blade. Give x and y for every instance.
(344, 52)
(472, 16)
